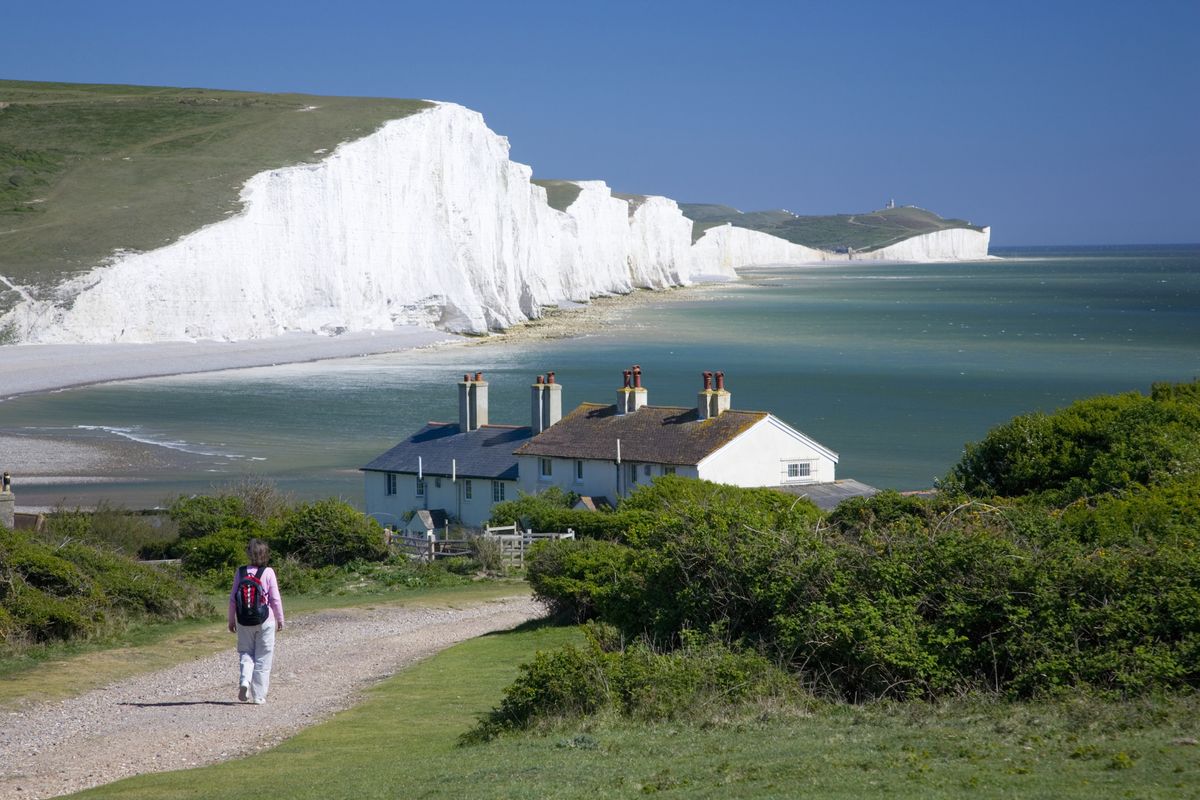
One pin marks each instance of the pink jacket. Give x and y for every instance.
(269, 583)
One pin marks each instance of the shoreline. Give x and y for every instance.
(73, 458)
(31, 369)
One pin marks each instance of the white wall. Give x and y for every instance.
(599, 477)
(451, 496)
(757, 457)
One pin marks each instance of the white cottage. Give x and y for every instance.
(462, 468)
(596, 451)
(608, 450)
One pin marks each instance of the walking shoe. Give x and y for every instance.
(244, 692)
(258, 701)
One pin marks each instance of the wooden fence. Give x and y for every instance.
(513, 544)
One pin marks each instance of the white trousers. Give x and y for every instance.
(256, 650)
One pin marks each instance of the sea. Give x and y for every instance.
(893, 366)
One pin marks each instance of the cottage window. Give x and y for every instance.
(389, 481)
(467, 488)
(437, 482)
(578, 471)
(497, 491)
(798, 470)
(420, 488)
(668, 470)
(545, 467)
(646, 470)
(633, 472)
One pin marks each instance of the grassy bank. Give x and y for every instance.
(869, 231)
(402, 743)
(87, 169)
(57, 671)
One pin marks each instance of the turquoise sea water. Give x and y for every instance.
(893, 366)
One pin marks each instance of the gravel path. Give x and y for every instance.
(188, 715)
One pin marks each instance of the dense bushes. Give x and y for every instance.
(60, 591)
(1094, 446)
(214, 531)
(329, 532)
(904, 597)
(695, 682)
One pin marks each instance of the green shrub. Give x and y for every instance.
(579, 579)
(550, 511)
(330, 532)
(1093, 446)
(698, 682)
(204, 515)
(223, 551)
(72, 589)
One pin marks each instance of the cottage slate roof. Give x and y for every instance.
(828, 495)
(655, 434)
(486, 452)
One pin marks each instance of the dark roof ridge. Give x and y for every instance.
(672, 408)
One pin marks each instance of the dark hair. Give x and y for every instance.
(259, 552)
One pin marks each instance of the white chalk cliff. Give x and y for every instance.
(424, 221)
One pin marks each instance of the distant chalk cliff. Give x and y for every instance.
(424, 221)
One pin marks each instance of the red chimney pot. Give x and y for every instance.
(541, 379)
(478, 376)
(466, 378)
(627, 373)
(720, 381)
(549, 377)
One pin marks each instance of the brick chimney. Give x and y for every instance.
(545, 403)
(551, 401)
(720, 397)
(624, 392)
(472, 402)
(704, 397)
(637, 398)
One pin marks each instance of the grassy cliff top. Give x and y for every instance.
(89, 169)
(837, 232)
(559, 194)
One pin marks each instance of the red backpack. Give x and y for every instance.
(251, 598)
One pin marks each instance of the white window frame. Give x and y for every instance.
(647, 470)
(633, 474)
(545, 468)
(579, 470)
(805, 470)
(420, 487)
(389, 483)
(467, 488)
(497, 491)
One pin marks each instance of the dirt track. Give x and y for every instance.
(189, 715)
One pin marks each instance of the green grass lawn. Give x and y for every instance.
(401, 742)
(58, 671)
(87, 169)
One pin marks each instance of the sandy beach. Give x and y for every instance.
(34, 368)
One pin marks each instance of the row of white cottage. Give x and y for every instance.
(597, 451)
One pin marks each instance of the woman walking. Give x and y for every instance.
(255, 613)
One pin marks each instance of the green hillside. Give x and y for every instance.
(837, 232)
(88, 169)
(559, 194)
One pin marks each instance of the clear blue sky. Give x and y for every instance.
(1055, 122)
